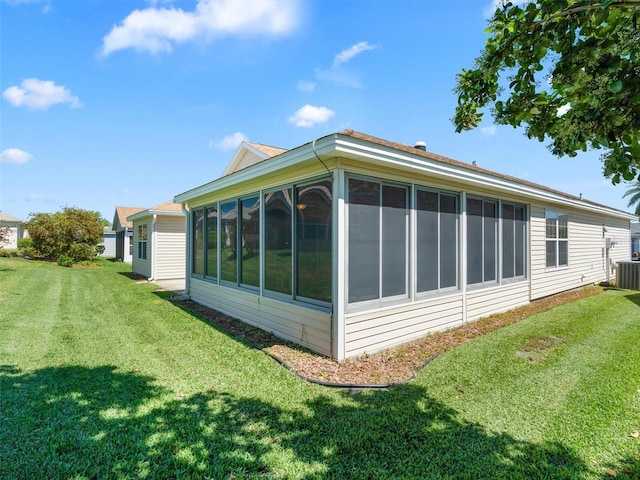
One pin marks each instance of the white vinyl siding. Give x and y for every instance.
(587, 255)
(379, 329)
(170, 250)
(482, 303)
(308, 327)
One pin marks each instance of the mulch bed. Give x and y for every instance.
(393, 366)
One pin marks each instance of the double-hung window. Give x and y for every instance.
(378, 240)
(557, 239)
(482, 241)
(142, 241)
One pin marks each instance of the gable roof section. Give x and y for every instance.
(168, 208)
(5, 217)
(120, 221)
(248, 154)
(362, 147)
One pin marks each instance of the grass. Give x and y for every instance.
(102, 377)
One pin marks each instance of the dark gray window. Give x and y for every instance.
(277, 241)
(198, 241)
(249, 247)
(377, 235)
(437, 240)
(313, 241)
(229, 242)
(212, 241)
(482, 240)
(514, 237)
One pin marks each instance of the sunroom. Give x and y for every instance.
(351, 244)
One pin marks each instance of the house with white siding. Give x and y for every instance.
(159, 242)
(351, 244)
(14, 230)
(124, 232)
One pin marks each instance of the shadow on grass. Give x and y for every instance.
(64, 422)
(633, 297)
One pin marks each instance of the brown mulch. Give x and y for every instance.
(396, 365)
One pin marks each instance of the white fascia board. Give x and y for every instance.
(359, 149)
(150, 213)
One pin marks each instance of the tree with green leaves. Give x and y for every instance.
(634, 197)
(73, 233)
(566, 71)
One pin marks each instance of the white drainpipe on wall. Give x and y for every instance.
(153, 247)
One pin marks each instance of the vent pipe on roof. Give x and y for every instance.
(421, 146)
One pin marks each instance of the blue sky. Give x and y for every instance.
(114, 102)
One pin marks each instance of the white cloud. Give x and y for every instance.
(308, 116)
(488, 131)
(39, 95)
(14, 155)
(156, 29)
(231, 142)
(346, 55)
(306, 86)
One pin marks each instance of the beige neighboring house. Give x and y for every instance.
(124, 233)
(159, 242)
(352, 244)
(16, 230)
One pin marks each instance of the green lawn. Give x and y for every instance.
(102, 377)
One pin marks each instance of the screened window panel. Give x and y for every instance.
(474, 241)
(427, 240)
(229, 241)
(250, 246)
(520, 241)
(364, 240)
(278, 259)
(198, 242)
(448, 241)
(313, 241)
(212, 242)
(394, 241)
(508, 241)
(490, 243)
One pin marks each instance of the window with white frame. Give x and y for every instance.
(557, 239)
(142, 241)
(378, 240)
(437, 231)
(514, 240)
(482, 241)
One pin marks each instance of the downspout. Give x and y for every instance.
(153, 247)
(189, 253)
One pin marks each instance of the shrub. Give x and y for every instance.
(80, 252)
(65, 261)
(25, 247)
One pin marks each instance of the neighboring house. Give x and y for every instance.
(352, 244)
(635, 240)
(159, 242)
(124, 232)
(16, 230)
(109, 242)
